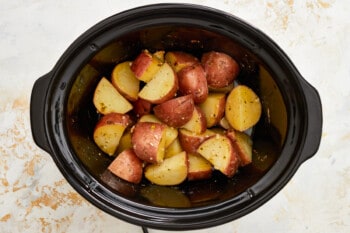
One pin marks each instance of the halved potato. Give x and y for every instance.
(107, 99)
(171, 132)
(172, 171)
(179, 60)
(198, 167)
(108, 131)
(145, 66)
(141, 107)
(125, 81)
(190, 141)
(173, 149)
(213, 108)
(192, 80)
(127, 166)
(124, 142)
(175, 112)
(243, 108)
(148, 140)
(219, 151)
(243, 144)
(162, 87)
(197, 123)
(221, 69)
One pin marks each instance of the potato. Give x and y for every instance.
(197, 123)
(179, 60)
(162, 87)
(172, 171)
(107, 99)
(125, 81)
(243, 108)
(175, 112)
(224, 123)
(213, 108)
(192, 80)
(145, 66)
(243, 144)
(190, 141)
(173, 149)
(160, 54)
(170, 134)
(141, 107)
(221, 69)
(127, 166)
(108, 131)
(198, 168)
(124, 142)
(148, 140)
(219, 151)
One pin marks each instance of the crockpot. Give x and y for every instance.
(63, 116)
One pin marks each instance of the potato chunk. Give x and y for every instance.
(243, 108)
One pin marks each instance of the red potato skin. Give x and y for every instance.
(221, 69)
(114, 118)
(142, 107)
(192, 80)
(141, 63)
(175, 112)
(127, 166)
(145, 138)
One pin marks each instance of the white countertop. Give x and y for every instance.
(34, 196)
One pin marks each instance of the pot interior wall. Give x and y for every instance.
(268, 135)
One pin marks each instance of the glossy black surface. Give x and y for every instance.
(289, 131)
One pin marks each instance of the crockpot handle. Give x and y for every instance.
(37, 111)
(314, 124)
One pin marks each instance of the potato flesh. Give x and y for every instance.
(219, 152)
(125, 81)
(164, 78)
(172, 171)
(108, 100)
(243, 108)
(107, 137)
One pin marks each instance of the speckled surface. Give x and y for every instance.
(34, 196)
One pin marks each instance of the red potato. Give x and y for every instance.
(124, 142)
(219, 151)
(160, 54)
(125, 81)
(198, 168)
(179, 60)
(175, 112)
(221, 69)
(213, 108)
(109, 130)
(173, 149)
(107, 99)
(190, 141)
(145, 66)
(192, 80)
(141, 107)
(243, 144)
(172, 171)
(148, 140)
(162, 87)
(170, 134)
(197, 123)
(127, 166)
(242, 108)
